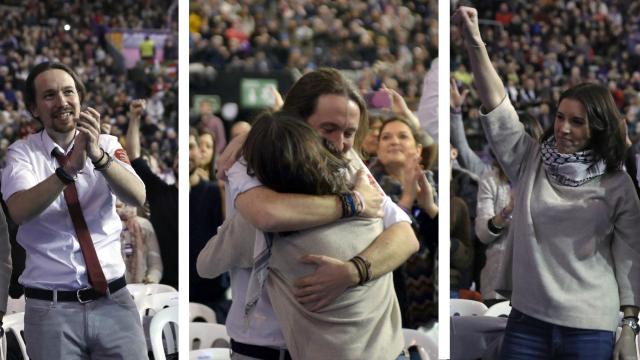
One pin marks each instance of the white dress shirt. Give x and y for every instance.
(53, 256)
(262, 327)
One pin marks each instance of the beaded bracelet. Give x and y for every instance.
(361, 204)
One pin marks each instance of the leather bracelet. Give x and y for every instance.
(95, 163)
(106, 165)
(366, 266)
(64, 176)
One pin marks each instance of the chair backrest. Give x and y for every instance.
(139, 291)
(159, 320)
(199, 311)
(15, 306)
(427, 348)
(210, 354)
(464, 307)
(160, 288)
(501, 309)
(150, 304)
(15, 324)
(207, 335)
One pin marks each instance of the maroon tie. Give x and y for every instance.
(96, 276)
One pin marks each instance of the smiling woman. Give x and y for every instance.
(574, 260)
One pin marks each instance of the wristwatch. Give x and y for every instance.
(1, 330)
(64, 176)
(632, 323)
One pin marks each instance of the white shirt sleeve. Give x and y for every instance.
(393, 213)
(18, 173)
(239, 180)
(112, 146)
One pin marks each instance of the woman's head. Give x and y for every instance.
(207, 145)
(287, 155)
(587, 118)
(397, 142)
(370, 143)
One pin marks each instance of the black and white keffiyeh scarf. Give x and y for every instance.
(570, 169)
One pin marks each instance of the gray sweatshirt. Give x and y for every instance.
(575, 256)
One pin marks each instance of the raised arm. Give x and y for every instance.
(133, 131)
(467, 158)
(490, 87)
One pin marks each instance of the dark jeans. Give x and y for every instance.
(530, 338)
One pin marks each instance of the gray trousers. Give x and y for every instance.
(107, 328)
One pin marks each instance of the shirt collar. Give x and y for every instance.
(50, 145)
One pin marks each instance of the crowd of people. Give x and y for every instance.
(343, 51)
(542, 48)
(391, 42)
(553, 86)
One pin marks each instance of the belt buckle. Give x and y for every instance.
(80, 298)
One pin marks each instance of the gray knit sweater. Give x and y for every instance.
(575, 250)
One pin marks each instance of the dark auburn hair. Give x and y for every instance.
(287, 155)
(30, 87)
(302, 97)
(604, 119)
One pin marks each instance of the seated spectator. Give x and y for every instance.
(139, 247)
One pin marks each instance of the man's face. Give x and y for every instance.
(336, 119)
(57, 101)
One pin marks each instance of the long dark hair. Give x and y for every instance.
(302, 98)
(288, 156)
(604, 119)
(30, 87)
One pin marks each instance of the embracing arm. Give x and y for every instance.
(231, 247)
(278, 212)
(271, 211)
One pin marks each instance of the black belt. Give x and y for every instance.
(80, 295)
(259, 352)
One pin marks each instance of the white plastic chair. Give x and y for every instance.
(427, 348)
(139, 291)
(150, 304)
(501, 309)
(200, 311)
(465, 307)
(15, 306)
(15, 324)
(210, 354)
(159, 320)
(208, 335)
(160, 288)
